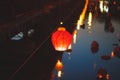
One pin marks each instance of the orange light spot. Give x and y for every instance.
(59, 65)
(100, 76)
(107, 76)
(112, 54)
(114, 3)
(61, 29)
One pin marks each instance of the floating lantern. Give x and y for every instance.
(61, 39)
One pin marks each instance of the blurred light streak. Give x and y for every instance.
(82, 16)
(90, 19)
(74, 36)
(101, 6)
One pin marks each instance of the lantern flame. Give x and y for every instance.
(61, 48)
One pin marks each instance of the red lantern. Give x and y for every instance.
(61, 39)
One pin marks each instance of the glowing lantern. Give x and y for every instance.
(59, 65)
(61, 39)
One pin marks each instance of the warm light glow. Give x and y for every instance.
(78, 25)
(74, 36)
(107, 76)
(70, 46)
(59, 73)
(61, 39)
(61, 29)
(112, 54)
(100, 76)
(59, 65)
(90, 19)
(61, 22)
(114, 2)
(61, 48)
(106, 8)
(101, 6)
(82, 16)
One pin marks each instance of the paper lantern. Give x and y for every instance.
(61, 39)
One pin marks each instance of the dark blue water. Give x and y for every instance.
(82, 64)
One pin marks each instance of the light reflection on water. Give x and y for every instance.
(83, 64)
